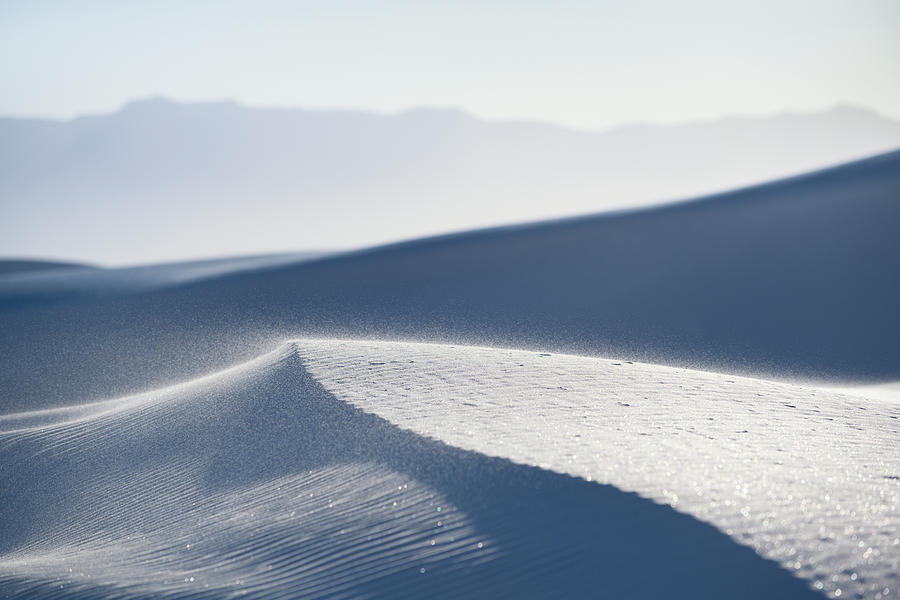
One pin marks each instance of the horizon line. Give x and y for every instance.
(462, 111)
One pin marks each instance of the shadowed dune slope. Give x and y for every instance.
(797, 278)
(257, 481)
(43, 284)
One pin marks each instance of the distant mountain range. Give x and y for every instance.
(162, 180)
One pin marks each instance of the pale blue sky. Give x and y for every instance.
(587, 64)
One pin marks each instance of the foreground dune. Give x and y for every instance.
(352, 469)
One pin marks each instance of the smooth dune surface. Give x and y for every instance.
(30, 283)
(414, 420)
(9, 266)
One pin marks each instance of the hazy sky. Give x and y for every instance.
(589, 64)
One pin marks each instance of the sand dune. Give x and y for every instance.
(10, 266)
(32, 283)
(268, 479)
(804, 476)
